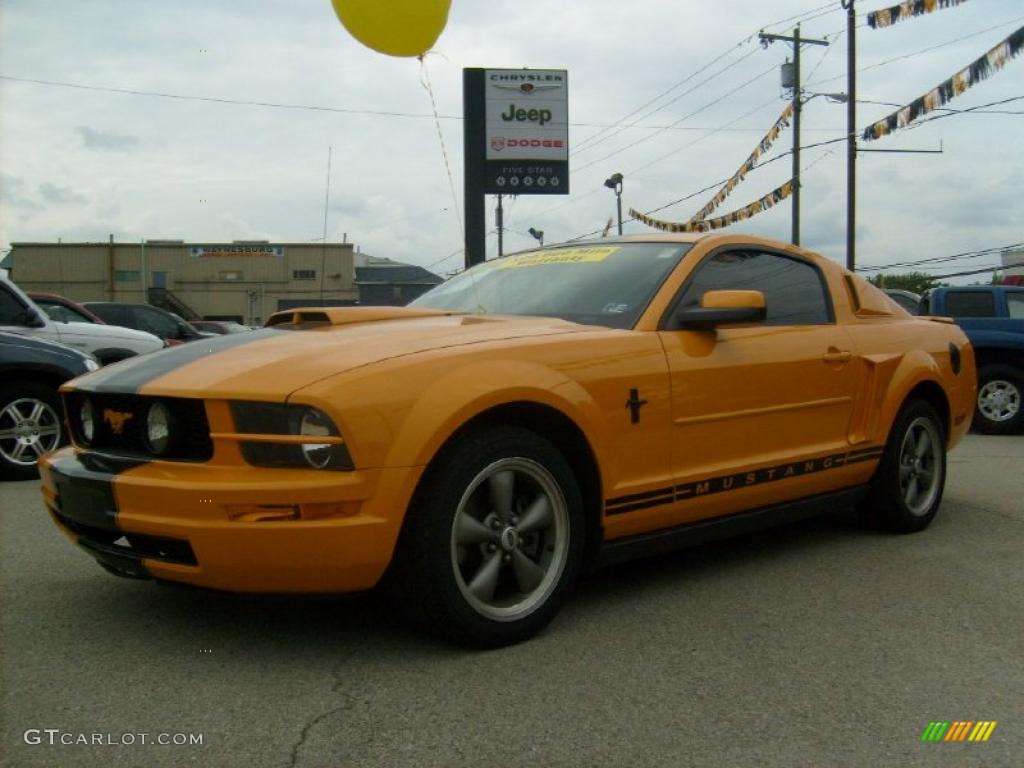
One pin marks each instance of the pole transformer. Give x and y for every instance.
(797, 42)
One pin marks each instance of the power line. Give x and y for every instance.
(941, 259)
(920, 52)
(593, 140)
(684, 117)
(663, 106)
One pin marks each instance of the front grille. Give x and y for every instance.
(190, 431)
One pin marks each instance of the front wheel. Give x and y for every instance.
(30, 425)
(493, 540)
(907, 487)
(999, 411)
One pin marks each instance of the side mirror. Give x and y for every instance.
(722, 308)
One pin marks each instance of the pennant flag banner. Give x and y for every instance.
(747, 166)
(777, 195)
(889, 16)
(980, 70)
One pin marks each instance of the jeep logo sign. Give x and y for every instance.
(527, 124)
(522, 115)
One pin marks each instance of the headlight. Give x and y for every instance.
(87, 420)
(269, 419)
(91, 364)
(158, 428)
(315, 423)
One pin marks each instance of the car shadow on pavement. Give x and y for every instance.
(371, 620)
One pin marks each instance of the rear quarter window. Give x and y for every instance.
(971, 304)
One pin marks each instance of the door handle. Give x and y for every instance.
(835, 356)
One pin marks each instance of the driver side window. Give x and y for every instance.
(794, 290)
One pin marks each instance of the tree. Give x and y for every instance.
(918, 282)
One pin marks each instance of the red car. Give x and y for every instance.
(64, 310)
(220, 327)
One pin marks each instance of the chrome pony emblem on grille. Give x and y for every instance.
(116, 419)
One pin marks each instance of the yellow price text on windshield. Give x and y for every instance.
(559, 256)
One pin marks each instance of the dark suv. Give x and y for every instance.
(145, 317)
(31, 417)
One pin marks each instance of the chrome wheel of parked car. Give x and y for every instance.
(30, 425)
(920, 460)
(510, 539)
(493, 541)
(999, 400)
(906, 490)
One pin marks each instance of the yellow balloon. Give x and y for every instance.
(394, 27)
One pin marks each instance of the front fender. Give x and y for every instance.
(462, 394)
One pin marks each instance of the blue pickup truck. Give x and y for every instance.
(993, 319)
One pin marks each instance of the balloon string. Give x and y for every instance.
(425, 82)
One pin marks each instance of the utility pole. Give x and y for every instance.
(797, 41)
(499, 222)
(851, 134)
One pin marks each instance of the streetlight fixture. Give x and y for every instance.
(538, 234)
(614, 182)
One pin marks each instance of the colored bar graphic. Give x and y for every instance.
(958, 730)
(982, 731)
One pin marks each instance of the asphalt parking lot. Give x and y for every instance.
(818, 644)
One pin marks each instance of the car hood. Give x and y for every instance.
(271, 363)
(98, 332)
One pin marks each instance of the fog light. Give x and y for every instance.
(158, 428)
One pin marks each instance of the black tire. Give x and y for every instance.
(493, 541)
(907, 488)
(31, 423)
(1000, 406)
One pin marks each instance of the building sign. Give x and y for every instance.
(235, 250)
(526, 132)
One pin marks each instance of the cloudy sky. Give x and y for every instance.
(82, 163)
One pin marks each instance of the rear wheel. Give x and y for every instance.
(907, 487)
(30, 425)
(493, 541)
(999, 410)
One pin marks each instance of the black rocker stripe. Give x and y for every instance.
(654, 502)
(639, 496)
(739, 480)
(135, 372)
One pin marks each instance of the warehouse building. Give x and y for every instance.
(243, 280)
(385, 282)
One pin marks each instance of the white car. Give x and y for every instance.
(107, 343)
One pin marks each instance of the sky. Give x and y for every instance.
(83, 163)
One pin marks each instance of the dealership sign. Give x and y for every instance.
(236, 250)
(526, 129)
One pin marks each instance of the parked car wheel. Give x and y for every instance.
(30, 425)
(906, 490)
(999, 411)
(494, 541)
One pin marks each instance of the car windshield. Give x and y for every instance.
(606, 285)
(62, 313)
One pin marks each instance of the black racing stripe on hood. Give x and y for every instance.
(134, 373)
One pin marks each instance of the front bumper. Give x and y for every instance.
(240, 529)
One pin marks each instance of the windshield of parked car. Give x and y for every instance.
(608, 285)
(62, 313)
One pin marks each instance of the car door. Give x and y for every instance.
(760, 412)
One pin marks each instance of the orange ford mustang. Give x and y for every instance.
(528, 419)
